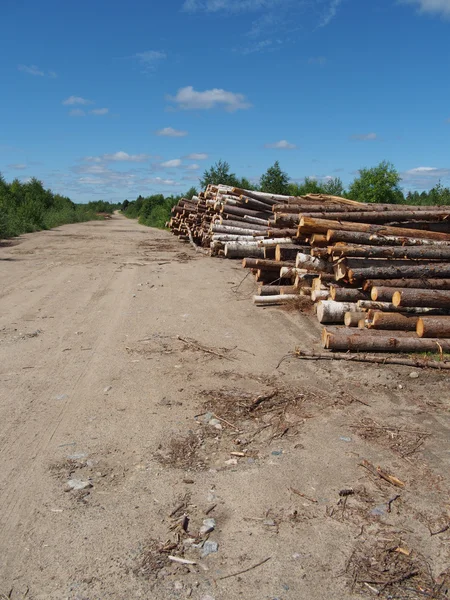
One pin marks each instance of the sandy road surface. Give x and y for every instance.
(96, 386)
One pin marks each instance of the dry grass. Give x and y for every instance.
(183, 452)
(391, 570)
(402, 441)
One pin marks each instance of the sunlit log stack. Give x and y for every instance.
(379, 274)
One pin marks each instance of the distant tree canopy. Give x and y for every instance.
(27, 207)
(275, 181)
(378, 184)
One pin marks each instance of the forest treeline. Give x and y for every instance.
(380, 184)
(27, 207)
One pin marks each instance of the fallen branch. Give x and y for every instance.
(198, 346)
(368, 358)
(182, 561)
(194, 245)
(443, 530)
(294, 491)
(245, 570)
(378, 471)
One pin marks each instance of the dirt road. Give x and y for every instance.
(131, 365)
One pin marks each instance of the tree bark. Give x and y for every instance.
(381, 216)
(274, 300)
(319, 240)
(420, 297)
(342, 294)
(312, 264)
(362, 342)
(431, 284)
(382, 294)
(309, 225)
(291, 272)
(317, 295)
(237, 250)
(329, 311)
(371, 239)
(433, 327)
(420, 363)
(432, 270)
(262, 263)
(236, 230)
(287, 252)
(391, 321)
(411, 252)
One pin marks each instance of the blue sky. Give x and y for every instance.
(111, 99)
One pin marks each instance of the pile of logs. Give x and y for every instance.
(380, 271)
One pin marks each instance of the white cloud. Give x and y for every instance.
(171, 164)
(77, 112)
(189, 99)
(18, 166)
(71, 100)
(260, 46)
(150, 59)
(171, 132)
(330, 12)
(193, 167)
(99, 111)
(31, 70)
(439, 7)
(161, 181)
(124, 157)
(229, 5)
(364, 137)
(423, 178)
(317, 60)
(199, 156)
(281, 145)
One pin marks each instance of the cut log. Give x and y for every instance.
(274, 300)
(357, 237)
(317, 295)
(380, 216)
(363, 342)
(311, 263)
(382, 294)
(389, 307)
(432, 270)
(433, 327)
(420, 363)
(352, 319)
(286, 252)
(329, 311)
(391, 321)
(237, 250)
(269, 290)
(412, 252)
(342, 294)
(431, 284)
(262, 263)
(309, 225)
(235, 230)
(319, 240)
(420, 297)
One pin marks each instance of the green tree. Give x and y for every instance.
(219, 174)
(334, 187)
(190, 193)
(378, 184)
(275, 181)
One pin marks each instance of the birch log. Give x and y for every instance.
(329, 311)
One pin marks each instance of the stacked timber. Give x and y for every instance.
(377, 274)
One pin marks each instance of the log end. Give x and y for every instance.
(397, 299)
(420, 329)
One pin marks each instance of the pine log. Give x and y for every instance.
(312, 264)
(291, 272)
(371, 239)
(283, 233)
(319, 240)
(286, 252)
(392, 321)
(433, 327)
(342, 294)
(382, 294)
(274, 300)
(255, 220)
(418, 252)
(329, 311)
(421, 297)
(432, 270)
(237, 210)
(431, 284)
(241, 250)
(286, 219)
(367, 358)
(380, 216)
(389, 307)
(309, 225)
(364, 342)
(352, 319)
(317, 295)
(262, 263)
